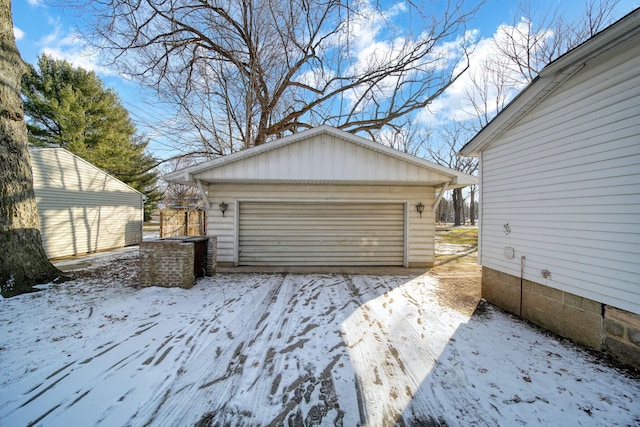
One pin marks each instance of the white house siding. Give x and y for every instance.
(567, 183)
(82, 209)
(419, 232)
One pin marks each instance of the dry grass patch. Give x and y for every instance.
(457, 235)
(457, 268)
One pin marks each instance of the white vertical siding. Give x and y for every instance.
(324, 158)
(420, 231)
(82, 209)
(567, 181)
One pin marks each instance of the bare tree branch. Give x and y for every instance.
(243, 72)
(538, 35)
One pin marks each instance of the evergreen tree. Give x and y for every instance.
(69, 106)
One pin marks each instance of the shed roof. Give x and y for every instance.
(322, 155)
(67, 166)
(551, 77)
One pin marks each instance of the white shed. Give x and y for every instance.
(82, 209)
(560, 195)
(322, 197)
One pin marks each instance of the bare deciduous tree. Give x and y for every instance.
(406, 136)
(445, 154)
(490, 88)
(178, 195)
(520, 50)
(538, 35)
(242, 72)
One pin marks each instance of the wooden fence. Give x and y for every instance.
(182, 222)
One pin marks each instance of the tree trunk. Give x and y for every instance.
(457, 207)
(472, 205)
(23, 262)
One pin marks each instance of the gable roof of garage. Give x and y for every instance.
(322, 155)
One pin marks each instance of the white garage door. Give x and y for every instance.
(277, 233)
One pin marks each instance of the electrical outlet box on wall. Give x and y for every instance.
(509, 252)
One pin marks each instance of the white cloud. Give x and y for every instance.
(381, 36)
(376, 41)
(455, 104)
(18, 33)
(366, 27)
(34, 2)
(376, 36)
(73, 49)
(449, 106)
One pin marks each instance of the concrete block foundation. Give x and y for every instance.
(622, 335)
(583, 320)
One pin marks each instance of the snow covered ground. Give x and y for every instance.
(288, 349)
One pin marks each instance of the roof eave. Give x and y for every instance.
(549, 78)
(180, 177)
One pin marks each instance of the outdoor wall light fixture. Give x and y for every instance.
(223, 207)
(420, 208)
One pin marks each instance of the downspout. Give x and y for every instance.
(522, 258)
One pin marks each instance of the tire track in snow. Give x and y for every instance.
(207, 380)
(270, 329)
(355, 301)
(306, 388)
(277, 356)
(312, 393)
(160, 364)
(285, 382)
(179, 344)
(386, 341)
(405, 357)
(73, 368)
(116, 355)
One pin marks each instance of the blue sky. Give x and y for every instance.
(41, 27)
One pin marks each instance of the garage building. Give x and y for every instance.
(323, 197)
(82, 209)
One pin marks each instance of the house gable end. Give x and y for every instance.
(322, 155)
(320, 158)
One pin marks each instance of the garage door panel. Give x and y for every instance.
(330, 247)
(265, 242)
(319, 235)
(277, 233)
(338, 260)
(328, 227)
(337, 255)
